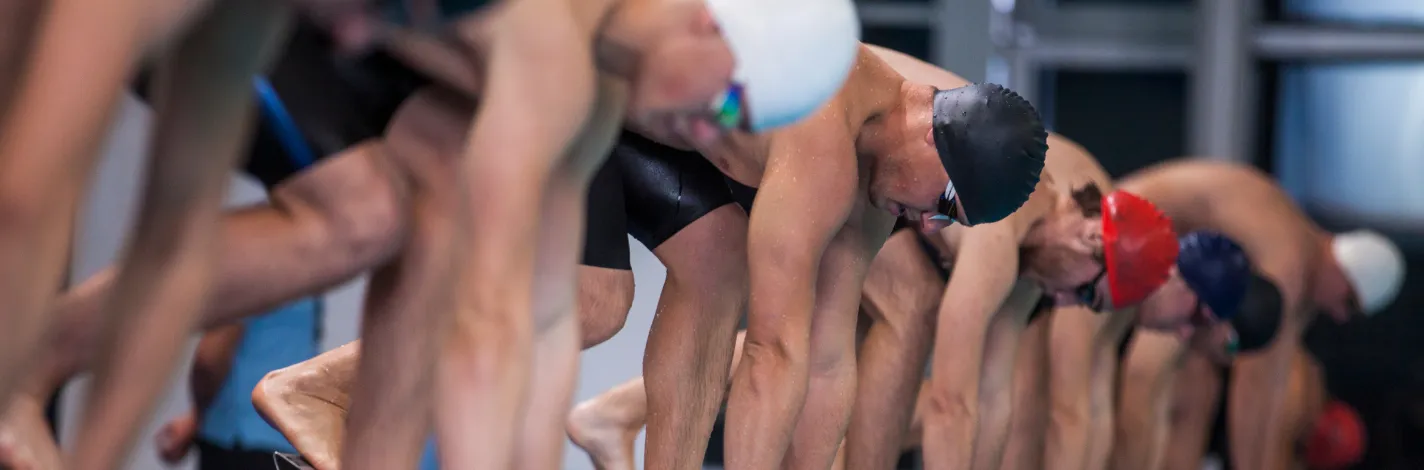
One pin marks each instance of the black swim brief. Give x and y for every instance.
(650, 191)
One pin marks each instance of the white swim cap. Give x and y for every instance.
(1374, 266)
(791, 55)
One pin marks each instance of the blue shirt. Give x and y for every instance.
(275, 340)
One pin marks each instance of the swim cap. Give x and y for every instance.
(992, 144)
(791, 55)
(1139, 247)
(1259, 317)
(1216, 269)
(1374, 266)
(1338, 439)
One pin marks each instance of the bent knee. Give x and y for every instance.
(710, 253)
(604, 298)
(354, 204)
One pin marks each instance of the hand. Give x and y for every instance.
(176, 437)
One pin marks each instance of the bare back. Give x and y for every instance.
(1242, 203)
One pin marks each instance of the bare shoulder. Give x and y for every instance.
(917, 70)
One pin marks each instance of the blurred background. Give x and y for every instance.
(1328, 95)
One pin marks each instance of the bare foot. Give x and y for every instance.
(313, 418)
(25, 438)
(605, 433)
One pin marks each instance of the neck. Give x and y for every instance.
(898, 122)
(1327, 277)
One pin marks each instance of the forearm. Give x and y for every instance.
(974, 351)
(1070, 385)
(1145, 398)
(1257, 418)
(770, 385)
(211, 363)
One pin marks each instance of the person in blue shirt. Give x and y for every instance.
(222, 424)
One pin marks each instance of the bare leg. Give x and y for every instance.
(48, 144)
(308, 403)
(606, 425)
(691, 342)
(1029, 425)
(204, 105)
(901, 295)
(407, 301)
(604, 297)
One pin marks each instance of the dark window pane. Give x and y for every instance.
(1128, 120)
(910, 40)
(1122, 2)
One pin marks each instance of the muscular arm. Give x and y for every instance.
(539, 91)
(1257, 417)
(1149, 368)
(973, 356)
(211, 364)
(1070, 374)
(806, 195)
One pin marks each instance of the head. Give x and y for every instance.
(1067, 259)
(1107, 255)
(1214, 300)
(1364, 277)
(988, 141)
(714, 66)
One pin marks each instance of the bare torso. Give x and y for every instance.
(1244, 204)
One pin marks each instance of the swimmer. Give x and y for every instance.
(653, 95)
(675, 203)
(901, 143)
(1344, 275)
(1077, 241)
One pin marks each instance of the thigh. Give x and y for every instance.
(668, 189)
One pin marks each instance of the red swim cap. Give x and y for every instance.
(1338, 439)
(1139, 247)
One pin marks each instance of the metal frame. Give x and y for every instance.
(959, 28)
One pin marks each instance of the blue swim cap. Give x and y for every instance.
(1216, 269)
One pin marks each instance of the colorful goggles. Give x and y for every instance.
(947, 207)
(729, 108)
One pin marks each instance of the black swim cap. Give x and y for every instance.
(992, 144)
(1259, 317)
